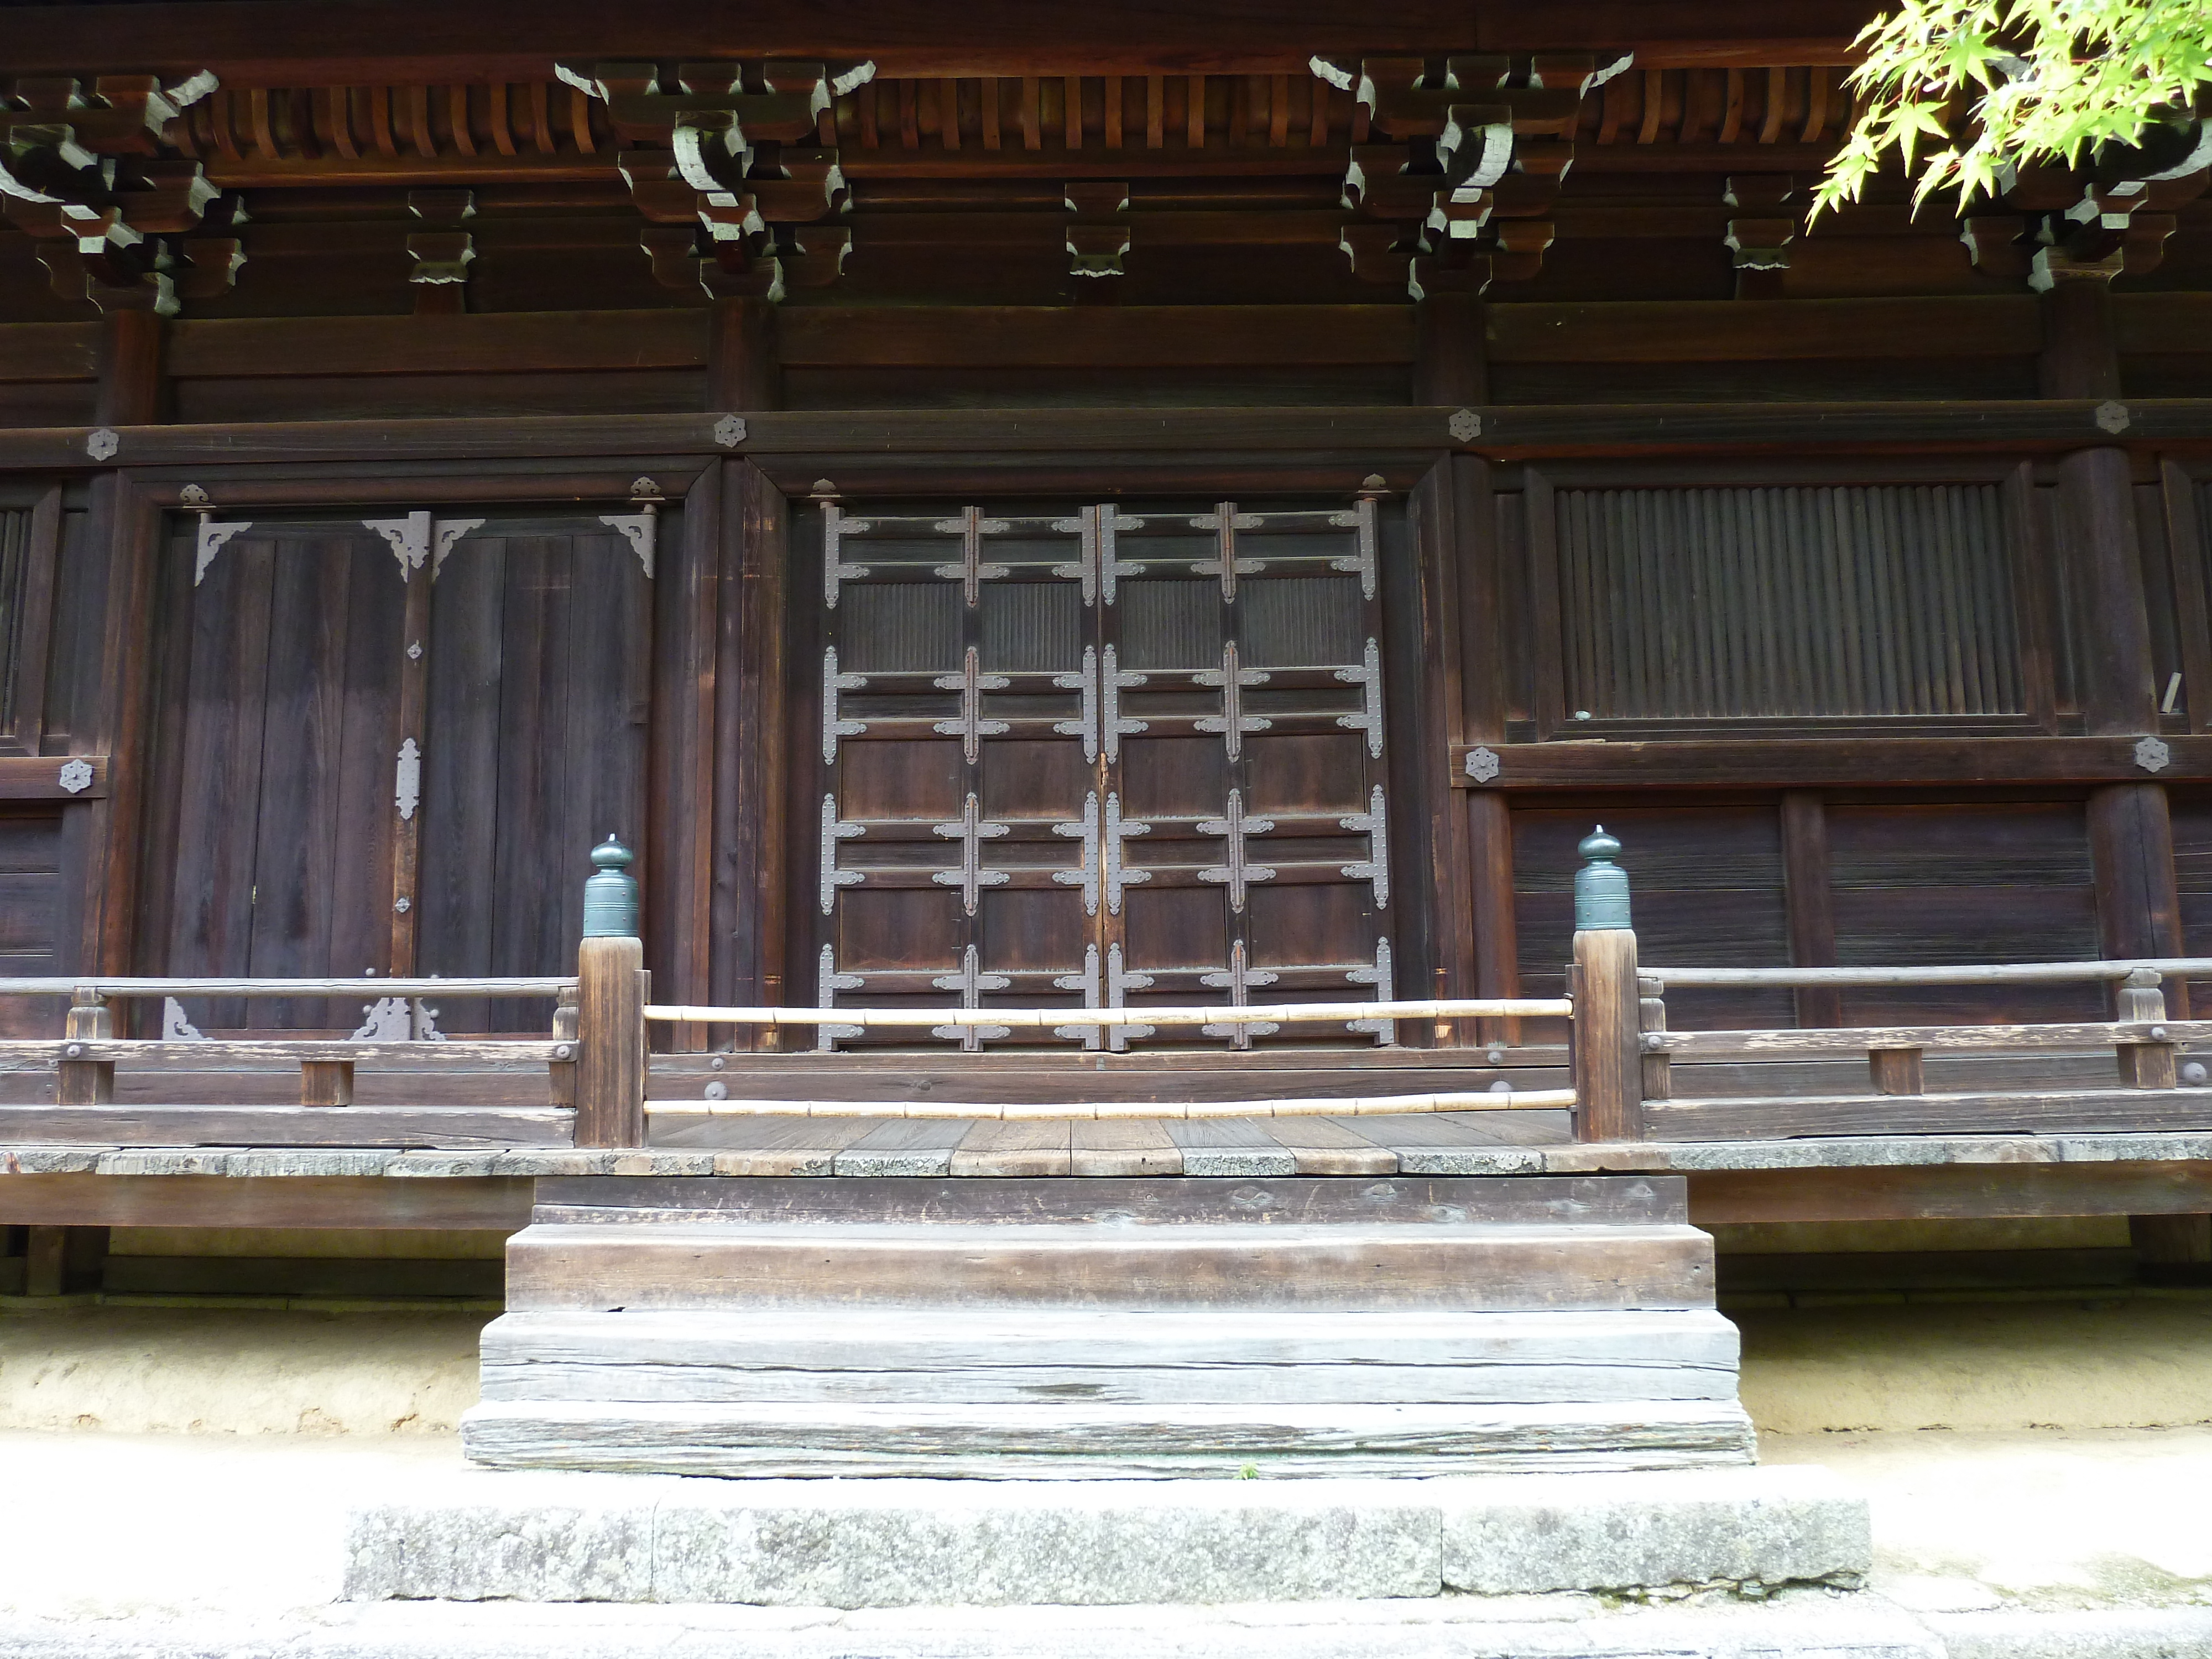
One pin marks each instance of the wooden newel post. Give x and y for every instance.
(610, 993)
(1608, 1002)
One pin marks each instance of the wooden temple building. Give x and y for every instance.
(1046, 507)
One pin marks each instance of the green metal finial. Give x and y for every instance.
(610, 896)
(1601, 885)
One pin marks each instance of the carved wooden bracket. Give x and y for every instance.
(2092, 223)
(1456, 184)
(727, 163)
(118, 218)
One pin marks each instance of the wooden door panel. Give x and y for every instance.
(1099, 734)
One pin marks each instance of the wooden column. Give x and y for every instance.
(611, 1035)
(1451, 357)
(2172, 1249)
(1810, 900)
(744, 369)
(2130, 834)
(122, 531)
(1608, 1056)
(753, 777)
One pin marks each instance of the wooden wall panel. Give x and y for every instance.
(1708, 889)
(1920, 884)
(430, 396)
(31, 934)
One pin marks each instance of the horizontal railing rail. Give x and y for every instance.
(2003, 973)
(1046, 1018)
(103, 987)
(1488, 1100)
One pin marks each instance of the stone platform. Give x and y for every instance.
(541, 1537)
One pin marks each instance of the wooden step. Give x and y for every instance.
(1087, 1440)
(1346, 1265)
(1206, 1357)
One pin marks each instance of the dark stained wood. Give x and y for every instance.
(2044, 426)
(485, 1203)
(2008, 1112)
(131, 344)
(573, 342)
(49, 352)
(1782, 761)
(744, 369)
(1766, 331)
(1812, 916)
(1609, 1102)
(2131, 850)
(1442, 932)
(1148, 337)
(752, 817)
(2192, 592)
(1949, 1191)
(689, 593)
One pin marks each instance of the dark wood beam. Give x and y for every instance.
(460, 1203)
(1843, 760)
(1949, 1191)
(271, 42)
(1515, 431)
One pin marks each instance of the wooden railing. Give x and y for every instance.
(1627, 1066)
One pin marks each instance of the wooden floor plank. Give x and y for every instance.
(767, 1145)
(993, 1148)
(1332, 1146)
(1123, 1147)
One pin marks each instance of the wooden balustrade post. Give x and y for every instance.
(560, 1070)
(1651, 1015)
(1897, 1071)
(326, 1083)
(1608, 1008)
(610, 992)
(85, 1082)
(2146, 1065)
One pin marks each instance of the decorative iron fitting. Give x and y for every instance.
(1118, 875)
(832, 682)
(971, 728)
(971, 573)
(1087, 876)
(1098, 567)
(610, 896)
(1360, 520)
(1368, 677)
(1383, 977)
(834, 829)
(835, 526)
(1601, 885)
(971, 982)
(1086, 985)
(1232, 722)
(1224, 521)
(828, 981)
(972, 831)
(1376, 867)
(1120, 981)
(1234, 871)
(1238, 980)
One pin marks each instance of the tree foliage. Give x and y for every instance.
(2046, 81)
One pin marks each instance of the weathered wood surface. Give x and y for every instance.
(1859, 1038)
(1594, 1200)
(2025, 1112)
(1077, 1440)
(224, 1054)
(1217, 1358)
(1950, 1191)
(113, 985)
(1341, 1264)
(471, 1203)
(284, 1126)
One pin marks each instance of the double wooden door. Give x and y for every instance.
(387, 744)
(1095, 755)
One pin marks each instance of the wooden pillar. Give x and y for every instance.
(745, 369)
(60, 1260)
(131, 343)
(1451, 355)
(2130, 834)
(1608, 1054)
(754, 778)
(1810, 898)
(611, 1036)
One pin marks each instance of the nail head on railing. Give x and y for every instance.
(2158, 1033)
(1601, 885)
(75, 1051)
(563, 1051)
(610, 895)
